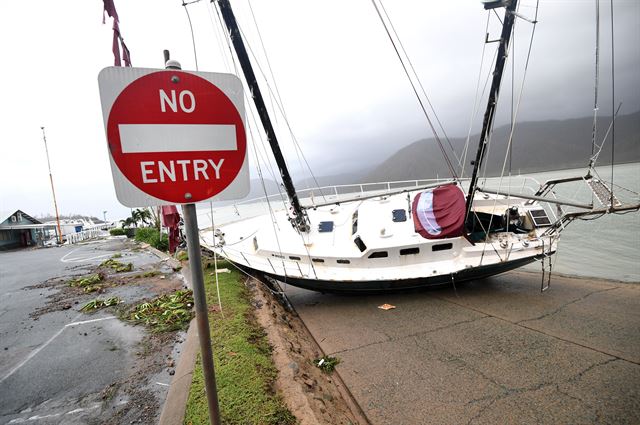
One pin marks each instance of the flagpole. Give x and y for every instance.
(55, 203)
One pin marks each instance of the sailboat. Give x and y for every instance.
(432, 233)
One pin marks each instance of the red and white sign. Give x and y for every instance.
(174, 137)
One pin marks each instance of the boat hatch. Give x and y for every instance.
(325, 226)
(410, 251)
(539, 217)
(379, 254)
(399, 215)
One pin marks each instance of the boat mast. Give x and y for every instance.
(489, 115)
(301, 220)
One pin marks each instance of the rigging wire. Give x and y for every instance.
(415, 91)
(219, 42)
(264, 50)
(513, 71)
(296, 146)
(595, 87)
(415, 74)
(517, 109)
(215, 259)
(613, 103)
(274, 221)
(193, 39)
(476, 102)
(265, 158)
(299, 153)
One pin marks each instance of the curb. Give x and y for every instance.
(175, 404)
(342, 387)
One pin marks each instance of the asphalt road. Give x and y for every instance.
(57, 368)
(493, 352)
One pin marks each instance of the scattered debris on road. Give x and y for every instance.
(327, 363)
(97, 304)
(117, 265)
(166, 313)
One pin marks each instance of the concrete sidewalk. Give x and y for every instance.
(495, 351)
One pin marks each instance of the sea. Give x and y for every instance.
(607, 247)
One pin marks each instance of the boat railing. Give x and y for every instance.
(224, 213)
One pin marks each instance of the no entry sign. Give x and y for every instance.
(174, 137)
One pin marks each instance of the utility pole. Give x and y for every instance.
(55, 203)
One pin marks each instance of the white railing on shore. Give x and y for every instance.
(85, 235)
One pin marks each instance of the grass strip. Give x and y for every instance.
(244, 369)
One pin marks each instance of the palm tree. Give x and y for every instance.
(135, 217)
(127, 222)
(144, 215)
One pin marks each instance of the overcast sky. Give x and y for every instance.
(343, 89)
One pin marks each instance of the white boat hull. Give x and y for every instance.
(394, 256)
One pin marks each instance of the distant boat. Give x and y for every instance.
(438, 233)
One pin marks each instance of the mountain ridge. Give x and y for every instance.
(535, 148)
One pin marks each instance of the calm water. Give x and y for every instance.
(608, 247)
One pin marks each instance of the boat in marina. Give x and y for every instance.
(410, 234)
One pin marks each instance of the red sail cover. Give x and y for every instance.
(439, 213)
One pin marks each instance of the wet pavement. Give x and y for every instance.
(65, 366)
(492, 351)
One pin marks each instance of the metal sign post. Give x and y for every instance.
(177, 137)
(202, 316)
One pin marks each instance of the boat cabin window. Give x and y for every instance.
(361, 246)
(441, 247)
(399, 216)
(343, 261)
(410, 251)
(293, 257)
(354, 224)
(379, 254)
(317, 260)
(325, 226)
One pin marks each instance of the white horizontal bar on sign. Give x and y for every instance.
(140, 138)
